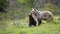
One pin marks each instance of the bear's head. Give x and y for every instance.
(34, 11)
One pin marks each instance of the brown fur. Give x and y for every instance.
(31, 20)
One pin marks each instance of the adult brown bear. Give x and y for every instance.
(32, 20)
(45, 15)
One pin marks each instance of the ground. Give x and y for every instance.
(44, 28)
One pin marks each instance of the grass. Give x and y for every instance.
(23, 28)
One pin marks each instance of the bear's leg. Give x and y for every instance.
(34, 23)
(30, 21)
(39, 21)
(30, 24)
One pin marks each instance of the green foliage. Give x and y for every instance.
(3, 5)
(26, 2)
(50, 7)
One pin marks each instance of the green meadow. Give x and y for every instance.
(23, 28)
